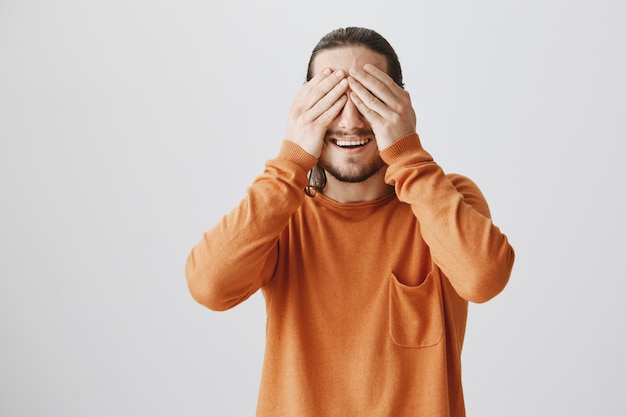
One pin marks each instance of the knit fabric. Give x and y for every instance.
(366, 302)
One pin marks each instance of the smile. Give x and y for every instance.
(351, 143)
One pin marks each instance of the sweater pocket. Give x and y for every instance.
(416, 313)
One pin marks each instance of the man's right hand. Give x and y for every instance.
(314, 108)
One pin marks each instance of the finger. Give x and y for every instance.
(366, 101)
(372, 116)
(377, 82)
(333, 111)
(329, 97)
(383, 77)
(317, 78)
(320, 85)
(324, 86)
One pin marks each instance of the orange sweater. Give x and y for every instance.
(366, 302)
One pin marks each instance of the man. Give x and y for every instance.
(366, 252)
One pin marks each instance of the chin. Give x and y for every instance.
(354, 174)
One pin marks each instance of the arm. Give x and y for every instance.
(454, 218)
(235, 258)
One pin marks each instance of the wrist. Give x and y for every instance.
(386, 142)
(407, 147)
(295, 153)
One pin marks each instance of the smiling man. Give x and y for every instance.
(366, 252)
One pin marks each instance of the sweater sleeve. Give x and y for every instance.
(454, 218)
(238, 255)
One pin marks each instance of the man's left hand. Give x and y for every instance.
(384, 104)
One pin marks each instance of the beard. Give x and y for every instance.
(353, 171)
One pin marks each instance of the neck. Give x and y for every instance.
(357, 192)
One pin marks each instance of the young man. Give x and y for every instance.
(366, 252)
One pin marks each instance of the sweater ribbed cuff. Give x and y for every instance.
(406, 148)
(291, 152)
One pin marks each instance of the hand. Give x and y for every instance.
(314, 108)
(384, 104)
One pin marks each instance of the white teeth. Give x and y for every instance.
(352, 142)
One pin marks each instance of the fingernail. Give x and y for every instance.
(340, 73)
(326, 71)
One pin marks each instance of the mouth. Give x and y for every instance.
(351, 144)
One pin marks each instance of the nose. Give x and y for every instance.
(350, 117)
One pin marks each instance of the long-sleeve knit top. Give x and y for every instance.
(366, 302)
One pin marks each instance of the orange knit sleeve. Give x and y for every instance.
(454, 220)
(238, 255)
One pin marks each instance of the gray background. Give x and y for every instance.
(127, 128)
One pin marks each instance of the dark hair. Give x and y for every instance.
(355, 36)
(342, 38)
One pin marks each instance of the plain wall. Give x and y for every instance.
(128, 128)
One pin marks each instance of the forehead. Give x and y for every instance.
(346, 58)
